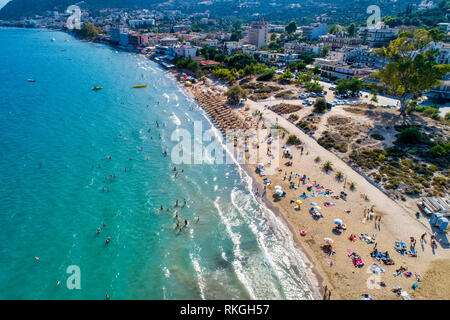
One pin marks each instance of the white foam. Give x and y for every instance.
(175, 119)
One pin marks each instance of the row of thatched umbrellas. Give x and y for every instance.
(215, 106)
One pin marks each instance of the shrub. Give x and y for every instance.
(320, 105)
(339, 176)
(292, 139)
(266, 76)
(377, 136)
(352, 185)
(327, 166)
(410, 135)
(438, 151)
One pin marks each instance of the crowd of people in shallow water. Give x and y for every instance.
(179, 222)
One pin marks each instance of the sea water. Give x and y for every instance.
(56, 139)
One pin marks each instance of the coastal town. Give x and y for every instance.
(364, 170)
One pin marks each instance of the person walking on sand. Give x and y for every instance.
(329, 295)
(422, 237)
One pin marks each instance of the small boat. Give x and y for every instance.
(53, 39)
(31, 80)
(97, 88)
(140, 86)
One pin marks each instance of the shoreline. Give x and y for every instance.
(398, 223)
(318, 277)
(314, 257)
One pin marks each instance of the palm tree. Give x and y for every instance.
(327, 166)
(352, 185)
(339, 175)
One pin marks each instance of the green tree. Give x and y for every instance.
(407, 77)
(314, 87)
(236, 93)
(320, 105)
(236, 35)
(351, 30)
(334, 29)
(291, 27)
(88, 31)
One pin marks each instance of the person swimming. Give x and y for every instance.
(108, 240)
(176, 203)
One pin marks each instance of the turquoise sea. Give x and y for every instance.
(56, 137)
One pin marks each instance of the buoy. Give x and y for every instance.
(303, 232)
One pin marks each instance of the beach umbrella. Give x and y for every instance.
(278, 187)
(298, 202)
(337, 221)
(260, 164)
(328, 240)
(404, 294)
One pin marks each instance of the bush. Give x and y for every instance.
(266, 76)
(438, 151)
(320, 105)
(292, 139)
(236, 93)
(327, 166)
(410, 135)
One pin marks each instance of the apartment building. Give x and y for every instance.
(258, 34)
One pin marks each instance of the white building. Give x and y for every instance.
(258, 34)
(135, 24)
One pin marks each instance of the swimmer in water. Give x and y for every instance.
(58, 283)
(184, 201)
(186, 223)
(107, 296)
(99, 230)
(162, 208)
(176, 203)
(107, 240)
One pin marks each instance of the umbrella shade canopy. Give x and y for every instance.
(328, 240)
(260, 164)
(279, 192)
(337, 221)
(298, 202)
(278, 187)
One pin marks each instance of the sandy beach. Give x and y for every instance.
(336, 271)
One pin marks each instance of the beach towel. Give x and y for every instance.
(304, 196)
(329, 204)
(412, 253)
(312, 195)
(319, 188)
(376, 268)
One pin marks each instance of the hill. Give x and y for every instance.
(276, 11)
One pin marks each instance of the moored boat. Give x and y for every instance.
(140, 86)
